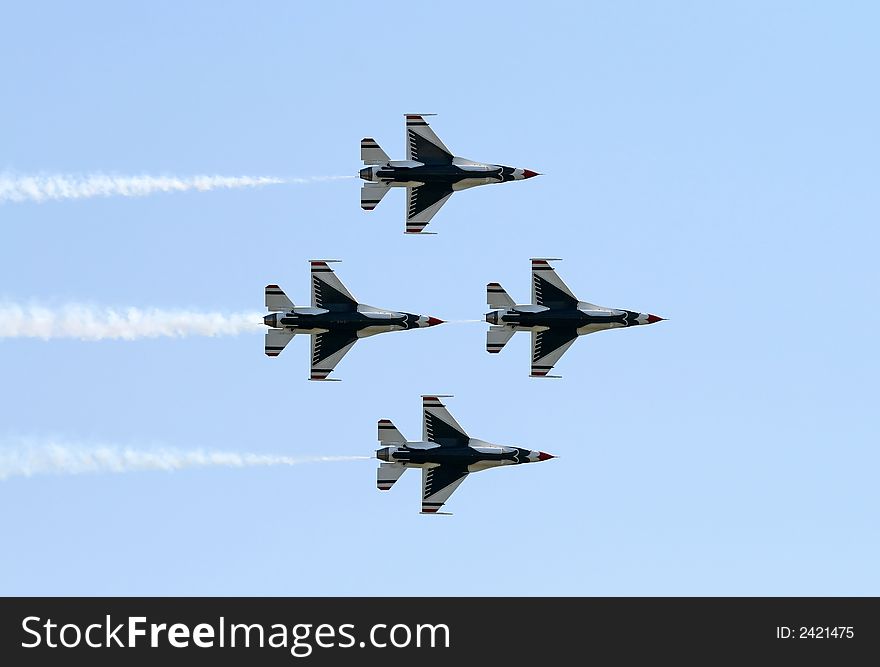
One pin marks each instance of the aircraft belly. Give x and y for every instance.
(466, 183)
(526, 326)
(378, 329)
(411, 464)
(307, 330)
(485, 465)
(597, 326)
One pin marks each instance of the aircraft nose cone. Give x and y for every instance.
(433, 321)
(528, 173)
(543, 456)
(654, 318)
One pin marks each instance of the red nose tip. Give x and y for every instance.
(543, 456)
(654, 318)
(433, 320)
(528, 173)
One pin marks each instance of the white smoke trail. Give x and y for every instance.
(93, 323)
(44, 187)
(25, 459)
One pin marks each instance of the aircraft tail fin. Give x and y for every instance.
(497, 297)
(372, 153)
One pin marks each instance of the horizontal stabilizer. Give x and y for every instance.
(387, 474)
(276, 340)
(276, 299)
(371, 153)
(497, 337)
(371, 195)
(497, 297)
(388, 433)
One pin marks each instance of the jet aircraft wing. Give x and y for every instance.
(422, 204)
(548, 347)
(327, 351)
(548, 288)
(422, 145)
(439, 426)
(438, 483)
(327, 289)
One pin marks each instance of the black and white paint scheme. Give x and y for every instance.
(430, 173)
(335, 320)
(555, 318)
(446, 455)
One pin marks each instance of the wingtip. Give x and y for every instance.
(434, 400)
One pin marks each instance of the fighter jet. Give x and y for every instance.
(430, 173)
(335, 320)
(555, 317)
(446, 455)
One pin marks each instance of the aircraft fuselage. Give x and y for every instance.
(320, 319)
(476, 455)
(570, 318)
(407, 173)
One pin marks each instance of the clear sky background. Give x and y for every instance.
(713, 163)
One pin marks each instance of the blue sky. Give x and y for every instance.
(714, 164)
